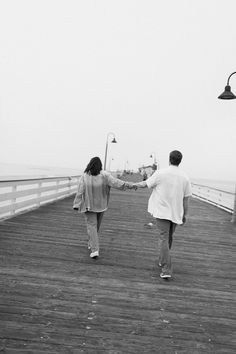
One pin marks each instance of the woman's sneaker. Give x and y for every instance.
(94, 254)
(165, 275)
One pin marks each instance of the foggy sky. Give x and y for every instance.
(147, 71)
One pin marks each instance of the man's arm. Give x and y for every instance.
(185, 204)
(151, 182)
(142, 184)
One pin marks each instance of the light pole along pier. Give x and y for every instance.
(113, 141)
(229, 95)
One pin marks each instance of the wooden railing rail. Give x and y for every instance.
(218, 197)
(21, 195)
(17, 196)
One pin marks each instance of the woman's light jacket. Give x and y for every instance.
(93, 191)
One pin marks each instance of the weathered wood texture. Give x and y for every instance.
(55, 299)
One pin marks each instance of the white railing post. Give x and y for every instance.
(57, 189)
(39, 193)
(234, 211)
(69, 187)
(13, 201)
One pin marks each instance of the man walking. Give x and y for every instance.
(168, 203)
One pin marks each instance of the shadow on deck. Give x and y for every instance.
(55, 299)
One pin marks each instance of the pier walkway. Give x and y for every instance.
(55, 299)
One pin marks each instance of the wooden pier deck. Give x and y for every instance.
(55, 299)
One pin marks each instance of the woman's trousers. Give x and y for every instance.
(93, 223)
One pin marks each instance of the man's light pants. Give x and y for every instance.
(166, 229)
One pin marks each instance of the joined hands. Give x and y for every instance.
(129, 185)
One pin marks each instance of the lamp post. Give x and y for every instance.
(153, 155)
(109, 166)
(234, 211)
(113, 141)
(229, 95)
(126, 165)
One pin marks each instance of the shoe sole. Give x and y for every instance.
(95, 256)
(167, 276)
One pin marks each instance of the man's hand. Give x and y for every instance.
(185, 205)
(142, 184)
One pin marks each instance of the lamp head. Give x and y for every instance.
(114, 140)
(227, 94)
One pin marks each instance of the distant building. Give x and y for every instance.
(147, 171)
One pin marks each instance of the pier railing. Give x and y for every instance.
(218, 197)
(17, 196)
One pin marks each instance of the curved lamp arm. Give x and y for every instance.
(111, 134)
(230, 77)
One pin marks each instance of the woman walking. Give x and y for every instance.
(92, 199)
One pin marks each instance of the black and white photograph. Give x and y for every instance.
(117, 176)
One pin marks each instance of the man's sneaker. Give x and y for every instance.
(94, 254)
(149, 225)
(165, 275)
(89, 247)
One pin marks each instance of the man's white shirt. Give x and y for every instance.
(170, 186)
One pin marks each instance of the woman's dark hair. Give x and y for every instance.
(94, 167)
(175, 157)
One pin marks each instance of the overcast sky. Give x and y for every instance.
(149, 71)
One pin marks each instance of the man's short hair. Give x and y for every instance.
(175, 157)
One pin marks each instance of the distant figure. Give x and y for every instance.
(168, 203)
(145, 176)
(92, 199)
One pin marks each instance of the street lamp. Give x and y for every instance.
(113, 141)
(228, 94)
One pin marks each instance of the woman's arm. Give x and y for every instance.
(115, 182)
(79, 194)
(118, 183)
